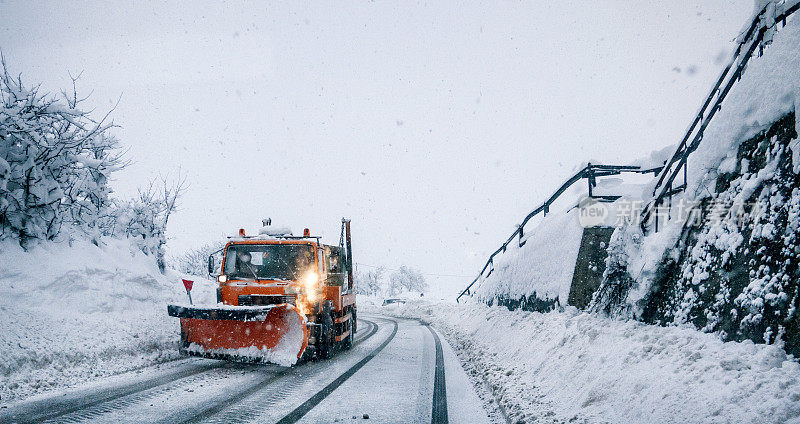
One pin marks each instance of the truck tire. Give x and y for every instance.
(325, 342)
(347, 343)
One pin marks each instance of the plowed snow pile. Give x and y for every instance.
(70, 313)
(579, 367)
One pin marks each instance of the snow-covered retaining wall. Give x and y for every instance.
(733, 271)
(538, 275)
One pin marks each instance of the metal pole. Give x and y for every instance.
(349, 253)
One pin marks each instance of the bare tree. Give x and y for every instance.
(145, 218)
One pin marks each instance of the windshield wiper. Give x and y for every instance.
(294, 274)
(252, 271)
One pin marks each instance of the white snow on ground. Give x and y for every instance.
(72, 313)
(570, 365)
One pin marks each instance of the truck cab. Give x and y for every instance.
(314, 278)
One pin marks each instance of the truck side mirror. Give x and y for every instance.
(210, 264)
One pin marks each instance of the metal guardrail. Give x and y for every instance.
(590, 172)
(764, 22)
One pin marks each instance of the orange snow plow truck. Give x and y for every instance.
(280, 297)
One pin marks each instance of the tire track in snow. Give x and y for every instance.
(439, 411)
(55, 408)
(229, 410)
(306, 406)
(96, 403)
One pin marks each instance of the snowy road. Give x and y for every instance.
(398, 371)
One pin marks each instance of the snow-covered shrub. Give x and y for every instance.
(144, 219)
(407, 279)
(55, 161)
(195, 261)
(370, 282)
(611, 295)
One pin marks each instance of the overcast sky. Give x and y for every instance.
(435, 126)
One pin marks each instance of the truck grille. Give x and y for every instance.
(265, 299)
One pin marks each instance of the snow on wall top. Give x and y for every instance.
(544, 264)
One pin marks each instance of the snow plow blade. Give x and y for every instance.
(274, 333)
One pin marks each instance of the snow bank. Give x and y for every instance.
(70, 313)
(564, 366)
(543, 265)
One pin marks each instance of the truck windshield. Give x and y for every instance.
(268, 261)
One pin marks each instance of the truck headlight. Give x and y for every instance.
(310, 281)
(222, 279)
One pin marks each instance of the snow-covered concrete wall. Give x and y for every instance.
(734, 271)
(589, 266)
(541, 269)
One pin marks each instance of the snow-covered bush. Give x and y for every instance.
(371, 282)
(611, 295)
(55, 161)
(55, 164)
(195, 261)
(144, 219)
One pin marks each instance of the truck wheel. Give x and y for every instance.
(325, 343)
(348, 342)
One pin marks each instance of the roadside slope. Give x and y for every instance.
(564, 366)
(71, 313)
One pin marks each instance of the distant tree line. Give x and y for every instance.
(374, 282)
(195, 261)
